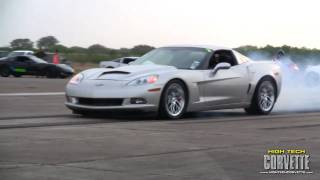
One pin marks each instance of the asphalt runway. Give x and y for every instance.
(41, 139)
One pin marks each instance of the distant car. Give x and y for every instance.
(3, 54)
(20, 53)
(31, 65)
(312, 76)
(117, 62)
(178, 79)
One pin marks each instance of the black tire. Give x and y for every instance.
(180, 98)
(312, 79)
(17, 75)
(5, 71)
(52, 73)
(261, 104)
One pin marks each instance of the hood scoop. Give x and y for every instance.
(112, 74)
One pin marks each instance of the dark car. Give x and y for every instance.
(31, 65)
(3, 54)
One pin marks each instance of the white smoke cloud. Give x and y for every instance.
(296, 95)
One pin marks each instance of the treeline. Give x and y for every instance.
(97, 52)
(94, 53)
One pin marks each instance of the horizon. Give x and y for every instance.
(124, 23)
(35, 47)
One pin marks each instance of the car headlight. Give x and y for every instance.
(144, 80)
(76, 79)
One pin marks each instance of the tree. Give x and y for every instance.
(98, 48)
(47, 42)
(77, 49)
(60, 48)
(141, 49)
(124, 51)
(21, 44)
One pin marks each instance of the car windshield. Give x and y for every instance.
(179, 57)
(37, 60)
(15, 54)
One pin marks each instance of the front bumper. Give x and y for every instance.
(98, 91)
(147, 107)
(66, 74)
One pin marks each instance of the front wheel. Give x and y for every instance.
(264, 98)
(52, 73)
(17, 75)
(4, 71)
(173, 100)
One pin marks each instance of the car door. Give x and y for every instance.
(31, 66)
(24, 65)
(225, 86)
(19, 65)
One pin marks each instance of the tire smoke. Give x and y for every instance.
(300, 92)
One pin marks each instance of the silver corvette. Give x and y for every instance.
(178, 79)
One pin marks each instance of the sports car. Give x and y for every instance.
(177, 79)
(31, 65)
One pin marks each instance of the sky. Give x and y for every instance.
(125, 23)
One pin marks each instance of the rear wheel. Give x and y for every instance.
(173, 100)
(264, 98)
(5, 71)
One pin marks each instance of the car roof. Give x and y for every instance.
(23, 51)
(212, 47)
(25, 55)
(131, 57)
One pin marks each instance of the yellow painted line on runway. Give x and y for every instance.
(33, 94)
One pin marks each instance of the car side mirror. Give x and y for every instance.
(221, 66)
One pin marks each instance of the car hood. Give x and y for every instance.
(65, 67)
(126, 73)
